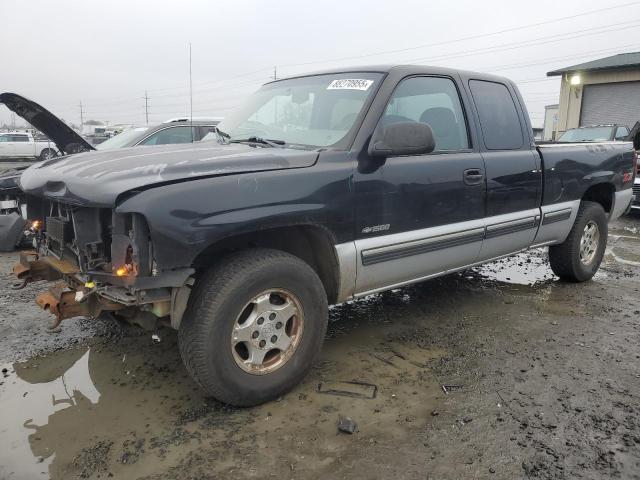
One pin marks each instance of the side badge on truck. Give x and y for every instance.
(376, 228)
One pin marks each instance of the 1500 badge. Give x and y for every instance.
(376, 228)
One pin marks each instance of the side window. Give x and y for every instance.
(499, 120)
(171, 135)
(621, 133)
(19, 138)
(431, 100)
(4, 138)
(206, 130)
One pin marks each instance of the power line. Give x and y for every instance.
(463, 39)
(534, 42)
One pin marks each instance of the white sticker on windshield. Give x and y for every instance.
(350, 84)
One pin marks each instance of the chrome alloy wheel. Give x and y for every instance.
(589, 242)
(267, 332)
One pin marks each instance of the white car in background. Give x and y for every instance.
(25, 145)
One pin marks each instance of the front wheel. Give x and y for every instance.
(578, 258)
(253, 326)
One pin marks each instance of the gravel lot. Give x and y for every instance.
(545, 382)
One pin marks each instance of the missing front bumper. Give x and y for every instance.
(64, 302)
(75, 296)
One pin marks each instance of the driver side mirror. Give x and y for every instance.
(402, 138)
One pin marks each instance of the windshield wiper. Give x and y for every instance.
(260, 140)
(222, 136)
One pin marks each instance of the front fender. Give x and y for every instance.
(186, 218)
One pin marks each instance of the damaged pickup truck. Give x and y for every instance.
(321, 189)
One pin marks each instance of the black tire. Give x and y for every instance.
(219, 297)
(47, 153)
(565, 258)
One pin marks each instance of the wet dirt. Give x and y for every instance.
(544, 383)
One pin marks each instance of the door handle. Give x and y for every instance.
(473, 176)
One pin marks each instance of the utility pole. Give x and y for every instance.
(275, 72)
(81, 118)
(190, 95)
(146, 106)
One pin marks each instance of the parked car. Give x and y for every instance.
(322, 188)
(595, 133)
(13, 228)
(167, 133)
(24, 145)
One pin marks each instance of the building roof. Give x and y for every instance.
(615, 62)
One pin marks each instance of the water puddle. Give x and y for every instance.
(526, 268)
(130, 410)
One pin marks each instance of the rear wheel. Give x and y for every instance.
(253, 327)
(578, 258)
(47, 153)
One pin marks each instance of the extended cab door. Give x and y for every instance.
(514, 176)
(420, 215)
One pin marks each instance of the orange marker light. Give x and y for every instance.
(122, 271)
(35, 224)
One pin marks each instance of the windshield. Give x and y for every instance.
(309, 112)
(122, 139)
(588, 134)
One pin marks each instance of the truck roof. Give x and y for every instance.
(404, 70)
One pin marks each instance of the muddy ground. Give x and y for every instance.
(545, 382)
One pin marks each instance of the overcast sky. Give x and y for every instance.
(106, 54)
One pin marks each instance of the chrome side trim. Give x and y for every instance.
(417, 247)
(347, 264)
(375, 264)
(621, 201)
(513, 226)
(557, 216)
(435, 275)
(557, 220)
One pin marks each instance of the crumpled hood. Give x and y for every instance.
(98, 178)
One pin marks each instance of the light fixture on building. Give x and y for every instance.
(575, 80)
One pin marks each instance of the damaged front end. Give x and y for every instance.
(102, 262)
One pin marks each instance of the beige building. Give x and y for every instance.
(550, 127)
(604, 91)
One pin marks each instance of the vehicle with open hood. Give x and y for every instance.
(14, 229)
(320, 189)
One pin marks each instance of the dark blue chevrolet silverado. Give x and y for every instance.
(322, 188)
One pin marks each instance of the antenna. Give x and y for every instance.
(190, 96)
(146, 106)
(275, 72)
(81, 118)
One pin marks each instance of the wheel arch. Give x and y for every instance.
(313, 244)
(602, 193)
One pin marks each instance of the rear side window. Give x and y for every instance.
(20, 138)
(622, 133)
(171, 135)
(499, 120)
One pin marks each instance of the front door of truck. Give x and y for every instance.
(421, 215)
(514, 177)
